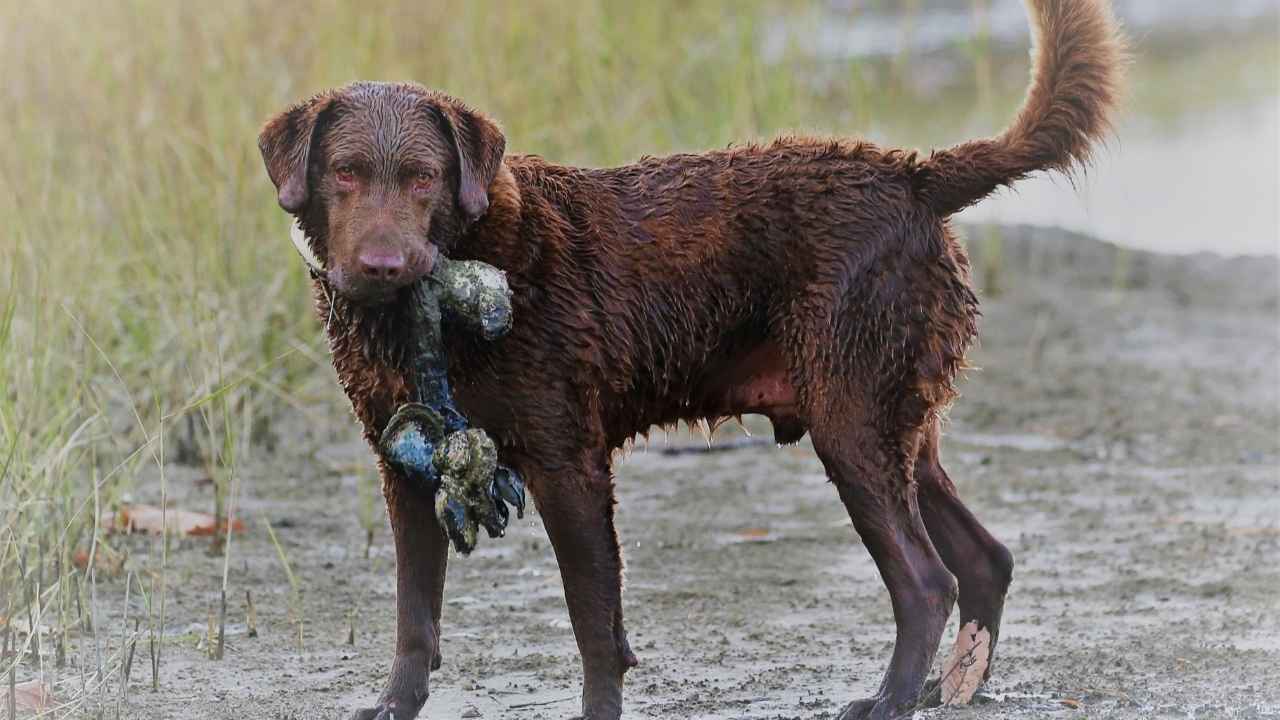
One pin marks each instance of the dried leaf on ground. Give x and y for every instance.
(106, 559)
(32, 695)
(152, 520)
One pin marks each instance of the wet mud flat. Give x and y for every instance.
(1121, 436)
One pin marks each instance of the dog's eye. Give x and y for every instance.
(345, 174)
(422, 180)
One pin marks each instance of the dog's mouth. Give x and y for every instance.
(365, 294)
(360, 288)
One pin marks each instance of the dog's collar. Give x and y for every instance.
(303, 246)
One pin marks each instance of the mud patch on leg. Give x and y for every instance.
(967, 666)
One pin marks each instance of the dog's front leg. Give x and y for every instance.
(421, 557)
(576, 503)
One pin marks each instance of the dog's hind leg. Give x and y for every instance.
(421, 557)
(983, 567)
(576, 501)
(872, 473)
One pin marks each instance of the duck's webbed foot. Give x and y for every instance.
(409, 443)
(508, 487)
(474, 489)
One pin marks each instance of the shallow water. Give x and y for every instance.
(871, 28)
(1194, 163)
(1210, 184)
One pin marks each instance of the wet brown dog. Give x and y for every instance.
(814, 281)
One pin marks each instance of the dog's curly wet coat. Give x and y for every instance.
(815, 281)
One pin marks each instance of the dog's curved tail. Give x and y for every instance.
(1075, 86)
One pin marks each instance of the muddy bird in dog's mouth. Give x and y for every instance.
(815, 281)
(427, 441)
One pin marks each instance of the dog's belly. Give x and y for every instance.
(755, 383)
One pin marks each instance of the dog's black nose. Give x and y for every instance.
(381, 265)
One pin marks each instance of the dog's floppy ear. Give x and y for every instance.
(285, 143)
(480, 145)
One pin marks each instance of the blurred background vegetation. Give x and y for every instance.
(152, 311)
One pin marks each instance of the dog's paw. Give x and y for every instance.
(408, 687)
(373, 713)
(381, 712)
(857, 710)
(873, 709)
(389, 710)
(931, 695)
(878, 708)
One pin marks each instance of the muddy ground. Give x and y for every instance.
(1120, 436)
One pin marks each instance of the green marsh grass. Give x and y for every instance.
(151, 311)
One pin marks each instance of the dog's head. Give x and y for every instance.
(383, 177)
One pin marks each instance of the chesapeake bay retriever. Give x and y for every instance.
(815, 281)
